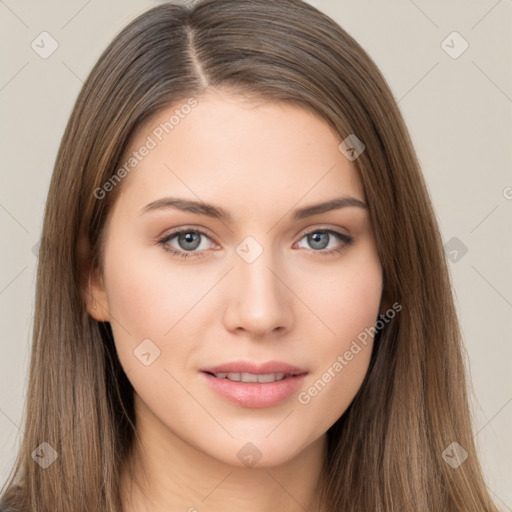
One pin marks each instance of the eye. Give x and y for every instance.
(188, 240)
(319, 240)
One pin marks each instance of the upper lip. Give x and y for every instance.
(255, 368)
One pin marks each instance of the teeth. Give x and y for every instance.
(271, 377)
(251, 377)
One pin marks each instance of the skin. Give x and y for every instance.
(260, 161)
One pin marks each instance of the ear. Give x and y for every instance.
(96, 296)
(92, 284)
(385, 302)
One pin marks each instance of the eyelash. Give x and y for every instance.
(347, 240)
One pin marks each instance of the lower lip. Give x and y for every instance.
(255, 395)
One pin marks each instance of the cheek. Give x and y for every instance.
(348, 299)
(145, 296)
(150, 298)
(349, 306)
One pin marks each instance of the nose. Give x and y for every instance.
(259, 302)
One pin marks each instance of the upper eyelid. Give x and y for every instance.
(186, 229)
(205, 231)
(322, 228)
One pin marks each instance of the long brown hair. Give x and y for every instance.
(386, 451)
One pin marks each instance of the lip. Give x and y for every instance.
(255, 395)
(257, 368)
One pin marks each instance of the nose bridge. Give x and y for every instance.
(260, 302)
(257, 279)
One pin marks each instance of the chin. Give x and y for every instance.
(260, 452)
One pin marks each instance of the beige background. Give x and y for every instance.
(459, 112)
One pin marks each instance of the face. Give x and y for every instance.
(203, 304)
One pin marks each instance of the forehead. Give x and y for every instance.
(237, 151)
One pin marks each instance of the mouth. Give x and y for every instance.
(249, 378)
(253, 385)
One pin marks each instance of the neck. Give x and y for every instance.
(166, 473)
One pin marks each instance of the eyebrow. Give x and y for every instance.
(210, 210)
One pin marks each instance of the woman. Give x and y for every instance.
(242, 297)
